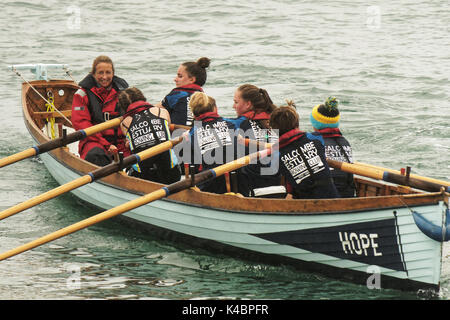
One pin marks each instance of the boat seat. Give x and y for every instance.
(52, 114)
(270, 192)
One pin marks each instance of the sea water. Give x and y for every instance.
(387, 62)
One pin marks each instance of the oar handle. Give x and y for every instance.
(103, 126)
(387, 176)
(441, 182)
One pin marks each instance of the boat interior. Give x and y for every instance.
(54, 118)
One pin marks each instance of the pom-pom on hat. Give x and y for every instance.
(326, 115)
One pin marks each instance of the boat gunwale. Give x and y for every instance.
(168, 199)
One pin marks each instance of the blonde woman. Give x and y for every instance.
(94, 103)
(212, 140)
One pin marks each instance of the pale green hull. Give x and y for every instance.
(415, 257)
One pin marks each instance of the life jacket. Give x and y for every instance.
(147, 130)
(339, 149)
(256, 127)
(261, 174)
(213, 143)
(101, 109)
(177, 103)
(214, 133)
(303, 163)
(93, 105)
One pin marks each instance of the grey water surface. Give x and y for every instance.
(388, 62)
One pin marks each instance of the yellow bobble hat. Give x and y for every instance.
(326, 115)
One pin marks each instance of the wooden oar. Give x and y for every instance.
(91, 176)
(179, 126)
(387, 176)
(59, 142)
(70, 138)
(130, 205)
(441, 182)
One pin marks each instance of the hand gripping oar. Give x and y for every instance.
(59, 142)
(130, 205)
(388, 176)
(92, 176)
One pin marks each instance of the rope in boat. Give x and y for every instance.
(62, 115)
(50, 108)
(69, 74)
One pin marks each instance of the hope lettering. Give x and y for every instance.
(359, 243)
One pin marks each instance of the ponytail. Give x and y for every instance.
(198, 70)
(201, 103)
(259, 98)
(127, 97)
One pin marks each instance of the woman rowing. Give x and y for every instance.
(325, 120)
(94, 103)
(302, 158)
(190, 78)
(253, 107)
(212, 140)
(146, 126)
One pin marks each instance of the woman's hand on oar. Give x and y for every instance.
(156, 195)
(59, 142)
(90, 177)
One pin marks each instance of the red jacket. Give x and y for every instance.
(86, 114)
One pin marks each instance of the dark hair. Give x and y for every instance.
(284, 119)
(127, 97)
(197, 70)
(100, 59)
(259, 98)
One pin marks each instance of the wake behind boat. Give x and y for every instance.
(391, 233)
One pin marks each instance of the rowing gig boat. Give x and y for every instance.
(390, 235)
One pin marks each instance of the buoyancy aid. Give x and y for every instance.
(177, 103)
(100, 99)
(145, 131)
(213, 143)
(303, 163)
(93, 105)
(258, 175)
(256, 127)
(338, 148)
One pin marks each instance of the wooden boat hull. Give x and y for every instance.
(372, 240)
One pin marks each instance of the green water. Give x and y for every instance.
(388, 64)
